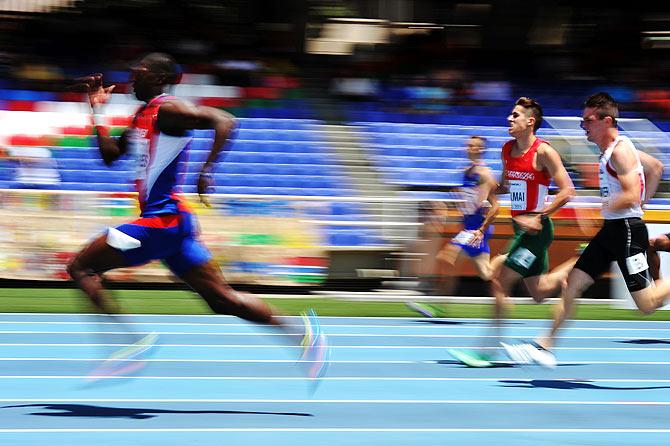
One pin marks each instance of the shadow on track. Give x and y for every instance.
(645, 341)
(569, 384)
(83, 410)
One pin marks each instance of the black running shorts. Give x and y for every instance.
(624, 240)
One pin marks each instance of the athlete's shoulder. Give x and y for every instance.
(508, 144)
(482, 170)
(544, 146)
(507, 148)
(624, 143)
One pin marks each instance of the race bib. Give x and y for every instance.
(604, 190)
(518, 193)
(636, 263)
(140, 150)
(464, 237)
(523, 257)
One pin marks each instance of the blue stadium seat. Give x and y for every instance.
(203, 133)
(201, 144)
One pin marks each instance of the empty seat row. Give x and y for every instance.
(205, 144)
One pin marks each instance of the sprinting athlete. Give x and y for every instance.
(628, 178)
(529, 166)
(479, 186)
(167, 230)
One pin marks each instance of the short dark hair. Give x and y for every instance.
(535, 110)
(604, 104)
(163, 63)
(480, 139)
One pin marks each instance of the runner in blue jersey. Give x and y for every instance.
(159, 139)
(479, 207)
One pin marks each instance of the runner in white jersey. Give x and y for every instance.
(628, 178)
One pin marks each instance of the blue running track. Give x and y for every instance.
(215, 380)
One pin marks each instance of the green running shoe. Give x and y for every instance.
(427, 310)
(471, 358)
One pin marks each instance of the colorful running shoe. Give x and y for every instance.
(316, 351)
(580, 249)
(126, 361)
(471, 358)
(427, 310)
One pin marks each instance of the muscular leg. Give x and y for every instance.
(447, 259)
(208, 282)
(86, 267)
(658, 243)
(483, 266)
(551, 283)
(502, 288)
(496, 264)
(577, 283)
(652, 298)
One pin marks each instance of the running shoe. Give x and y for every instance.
(426, 310)
(316, 351)
(471, 358)
(580, 249)
(530, 352)
(127, 360)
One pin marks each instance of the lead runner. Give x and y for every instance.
(159, 138)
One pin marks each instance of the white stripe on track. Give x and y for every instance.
(335, 378)
(326, 401)
(450, 327)
(392, 318)
(332, 361)
(339, 347)
(339, 429)
(302, 378)
(333, 335)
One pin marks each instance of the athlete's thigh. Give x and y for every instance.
(99, 257)
(507, 278)
(597, 256)
(482, 264)
(192, 254)
(450, 253)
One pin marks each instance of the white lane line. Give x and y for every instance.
(232, 361)
(339, 429)
(327, 378)
(333, 335)
(392, 318)
(381, 327)
(328, 401)
(337, 378)
(338, 347)
(332, 361)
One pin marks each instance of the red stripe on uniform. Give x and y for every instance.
(610, 170)
(159, 221)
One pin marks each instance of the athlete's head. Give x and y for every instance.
(599, 116)
(474, 146)
(526, 114)
(152, 74)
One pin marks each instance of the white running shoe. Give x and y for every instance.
(530, 352)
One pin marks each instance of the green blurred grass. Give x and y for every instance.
(49, 300)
